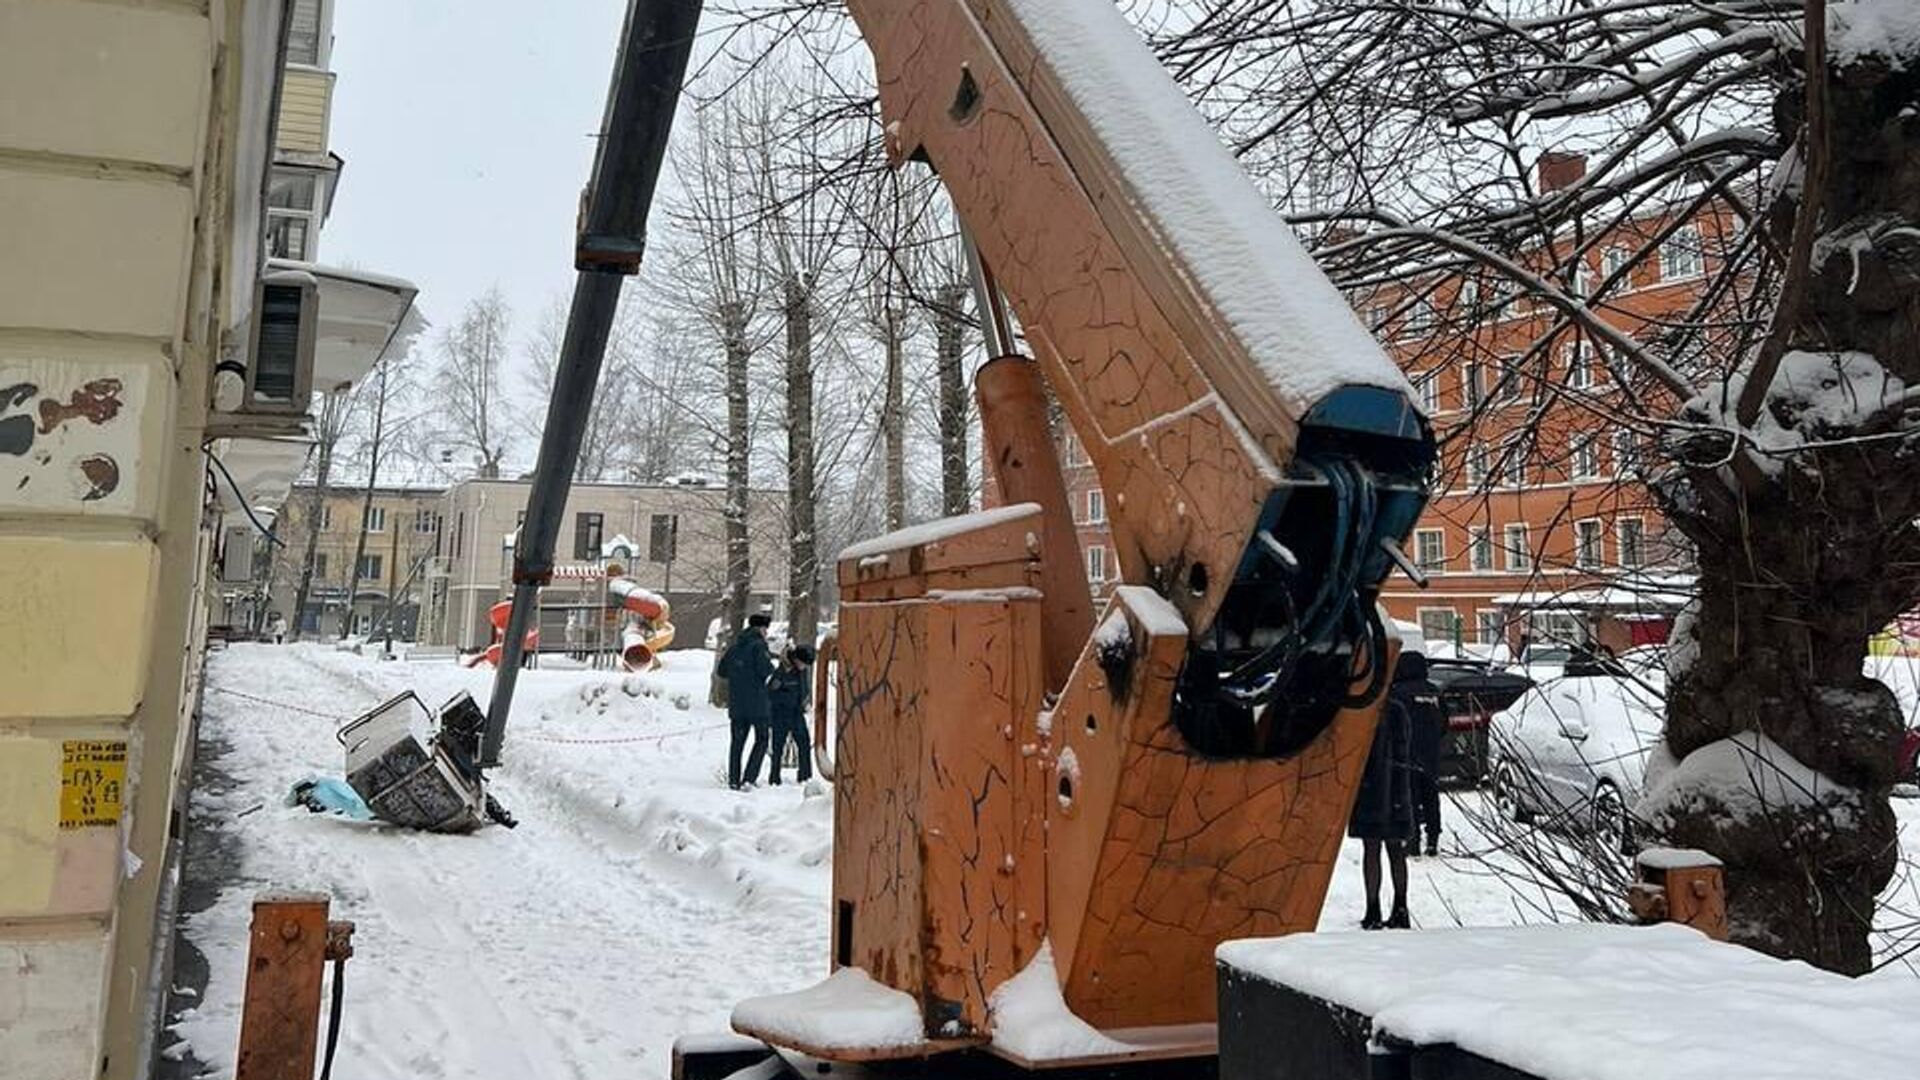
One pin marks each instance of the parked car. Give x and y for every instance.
(1573, 753)
(1471, 692)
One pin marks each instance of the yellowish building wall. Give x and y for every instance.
(116, 149)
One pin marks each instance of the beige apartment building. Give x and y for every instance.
(402, 535)
(669, 537)
(156, 375)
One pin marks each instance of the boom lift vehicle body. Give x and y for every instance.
(1008, 777)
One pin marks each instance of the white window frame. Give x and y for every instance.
(377, 562)
(1579, 363)
(1582, 530)
(1513, 462)
(1583, 457)
(1682, 256)
(1437, 564)
(1613, 260)
(1639, 525)
(1473, 467)
(1096, 506)
(1626, 453)
(426, 521)
(1427, 384)
(1517, 557)
(1076, 454)
(376, 519)
(1489, 627)
(1480, 548)
(1421, 615)
(1097, 564)
(1473, 388)
(326, 517)
(1507, 381)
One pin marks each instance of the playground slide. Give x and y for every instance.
(498, 615)
(649, 632)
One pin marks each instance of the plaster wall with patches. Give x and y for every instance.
(118, 198)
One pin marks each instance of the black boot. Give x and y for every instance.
(1372, 919)
(1399, 920)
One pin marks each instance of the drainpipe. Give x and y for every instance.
(655, 45)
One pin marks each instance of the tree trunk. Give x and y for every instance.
(803, 605)
(366, 505)
(739, 582)
(893, 418)
(1803, 558)
(956, 492)
(329, 423)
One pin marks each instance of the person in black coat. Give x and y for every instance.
(787, 698)
(745, 665)
(1383, 810)
(1428, 729)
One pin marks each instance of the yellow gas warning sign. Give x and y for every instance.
(93, 779)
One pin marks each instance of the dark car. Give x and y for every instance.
(1471, 691)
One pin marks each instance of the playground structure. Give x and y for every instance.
(611, 617)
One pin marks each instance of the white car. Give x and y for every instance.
(1573, 752)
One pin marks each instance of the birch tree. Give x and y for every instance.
(471, 353)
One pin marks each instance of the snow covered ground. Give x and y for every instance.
(638, 900)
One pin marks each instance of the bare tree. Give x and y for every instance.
(1735, 143)
(335, 411)
(471, 353)
(603, 442)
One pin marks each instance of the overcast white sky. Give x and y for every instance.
(466, 127)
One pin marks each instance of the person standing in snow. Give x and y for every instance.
(787, 706)
(1383, 810)
(746, 665)
(1428, 729)
(277, 626)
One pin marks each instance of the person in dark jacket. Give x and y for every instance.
(745, 665)
(1428, 729)
(1383, 810)
(787, 701)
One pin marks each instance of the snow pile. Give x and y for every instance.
(1031, 1020)
(1115, 631)
(1814, 397)
(1593, 1002)
(1746, 776)
(1262, 282)
(1157, 616)
(932, 532)
(1885, 28)
(846, 1011)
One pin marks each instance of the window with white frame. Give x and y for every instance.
(376, 519)
(1586, 457)
(1420, 316)
(1480, 548)
(370, 567)
(1439, 624)
(1630, 542)
(1076, 453)
(326, 517)
(1469, 295)
(1680, 256)
(426, 521)
(1377, 316)
(1096, 564)
(1612, 261)
(1472, 386)
(1096, 507)
(1579, 362)
(1517, 547)
(1489, 627)
(293, 202)
(1626, 453)
(1588, 550)
(1430, 549)
(1508, 384)
(1474, 468)
(1427, 385)
(1581, 280)
(1513, 462)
